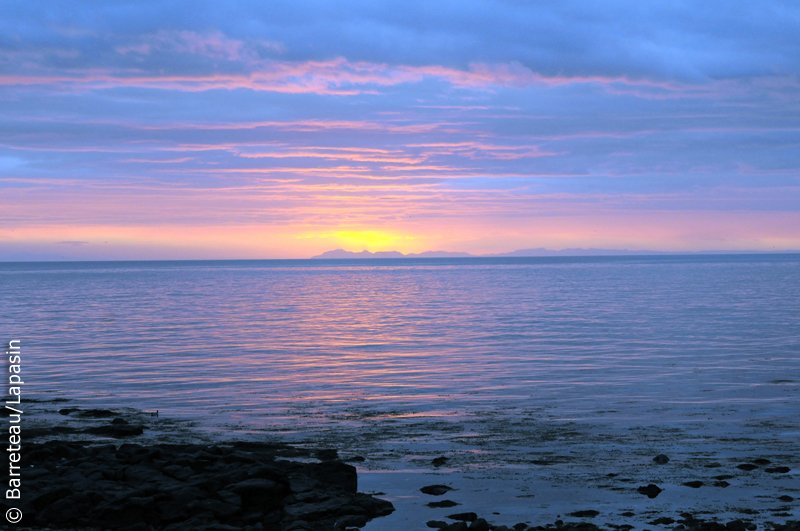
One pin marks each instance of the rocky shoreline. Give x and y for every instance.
(121, 470)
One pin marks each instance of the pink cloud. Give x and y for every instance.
(333, 77)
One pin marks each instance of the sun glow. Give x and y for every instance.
(364, 240)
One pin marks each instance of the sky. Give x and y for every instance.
(216, 130)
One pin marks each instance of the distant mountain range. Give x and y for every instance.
(341, 253)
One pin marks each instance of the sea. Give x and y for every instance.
(303, 348)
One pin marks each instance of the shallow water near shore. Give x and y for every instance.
(536, 377)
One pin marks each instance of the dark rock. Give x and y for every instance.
(443, 503)
(751, 527)
(351, 520)
(458, 526)
(519, 526)
(479, 525)
(651, 491)
(96, 413)
(661, 459)
(327, 454)
(119, 420)
(760, 461)
(436, 524)
(435, 490)
(747, 466)
(785, 498)
(338, 475)
(694, 484)
(439, 461)
(68, 410)
(721, 484)
(713, 465)
(627, 514)
(736, 525)
(589, 513)
(664, 520)
(191, 488)
(116, 431)
(466, 517)
(777, 470)
(356, 459)
(723, 477)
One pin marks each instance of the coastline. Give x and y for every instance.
(520, 470)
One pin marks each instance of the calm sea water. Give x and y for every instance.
(282, 342)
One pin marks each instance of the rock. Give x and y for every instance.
(751, 527)
(651, 491)
(116, 431)
(119, 420)
(721, 484)
(338, 475)
(466, 517)
(694, 484)
(327, 454)
(439, 461)
(458, 526)
(351, 520)
(262, 495)
(747, 466)
(479, 525)
(443, 503)
(713, 465)
(777, 470)
(356, 459)
(436, 524)
(519, 526)
(664, 520)
(96, 413)
(435, 490)
(590, 513)
(785, 498)
(661, 459)
(736, 525)
(723, 477)
(761, 461)
(191, 488)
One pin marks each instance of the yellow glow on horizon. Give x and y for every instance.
(362, 240)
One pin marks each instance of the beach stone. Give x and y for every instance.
(778, 470)
(762, 461)
(436, 524)
(439, 461)
(352, 520)
(661, 459)
(443, 503)
(119, 420)
(785, 498)
(435, 490)
(751, 527)
(713, 465)
(651, 490)
(589, 513)
(694, 484)
(466, 517)
(664, 520)
(458, 526)
(356, 459)
(722, 484)
(747, 466)
(479, 525)
(519, 526)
